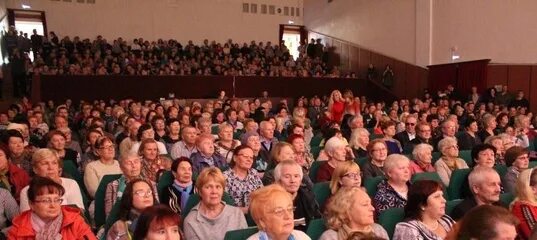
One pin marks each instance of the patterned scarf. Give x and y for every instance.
(47, 230)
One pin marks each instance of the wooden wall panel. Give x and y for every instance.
(519, 77)
(400, 74)
(497, 75)
(365, 59)
(354, 59)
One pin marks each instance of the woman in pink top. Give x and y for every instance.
(422, 159)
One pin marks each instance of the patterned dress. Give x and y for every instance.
(240, 189)
(386, 198)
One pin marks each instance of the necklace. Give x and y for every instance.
(433, 228)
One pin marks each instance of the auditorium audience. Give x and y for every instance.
(422, 154)
(336, 150)
(378, 152)
(106, 164)
(346, 174)
(177, 194)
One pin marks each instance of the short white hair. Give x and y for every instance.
(333, 143)
(420, 148)
(290, 163)
(393, 160)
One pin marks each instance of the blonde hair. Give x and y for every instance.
(393, 160)
(261, 198)
(277, 149)
(337, 211)
(341, 169)
(45, 153)
(210, 174)
(526, 180)
(355, 135)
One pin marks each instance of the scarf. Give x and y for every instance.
(345, 231)
(47, 230)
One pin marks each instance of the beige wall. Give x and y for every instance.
(503, 31)
(152, 19)
(384, 26)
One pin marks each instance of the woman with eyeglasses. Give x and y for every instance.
(47, 218)
(272, 210)
(241, 178)
(346, 174)
(450, 160)
(212, 218)
(137, 197)
(106, 165)
(517, 160)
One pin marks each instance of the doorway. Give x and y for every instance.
(26, 21)
(291, 36)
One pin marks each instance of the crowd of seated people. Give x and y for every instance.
(116, 169)
(71, 55)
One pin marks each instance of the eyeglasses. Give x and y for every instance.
(49, 201)
(142, 193)
(379, 149)
(280, 211)
(246, 156)
(410, 124)
(352, 175)
(453, 146)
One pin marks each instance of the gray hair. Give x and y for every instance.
(393, 160)
(446, 142)
(479, 175)
(128, 155)
(356, 133)
(290, 163)
(421, 148)
(332, 144)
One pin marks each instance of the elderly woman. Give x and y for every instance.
(18, 153)
(56, 140)
(12, 178)
(349, 212)
(450, 160)
(303, 156)
(47, 219)
(253, 141)
(177, 194)
(106, 165)
(517, 160)
(498, 143)
(157, 223)
(358, 142)
(45, 163)
(422, 154)
(241, 178)
(90, 153)
(393, 192)
(173, 130)
(137, 197)
(469, 138)
(225, 144)
(489, 124)
(524, 207)
(483, 155)
(346, 174)
(522, 132)
(206, 155)
(378, 152)
(212, 217)
(152, 163)
(289, 175)
(272, 210)
(337, 153)
(425, 213)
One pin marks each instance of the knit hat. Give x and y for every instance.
(247, 135)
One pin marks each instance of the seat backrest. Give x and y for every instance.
(316, 228)
(361, 161)
(322, 192)
(466, 155)
(100, 216)
(436, 156)
(458, 178)
(450, 205)
(314, 169)
(426, 176)
(389, 218)
(506, 199)
(316, 140)
(315, 151)
(241, 234)
(165, 180)
(71, 171)
(501, 169)
(532, 164)
(371, 184)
